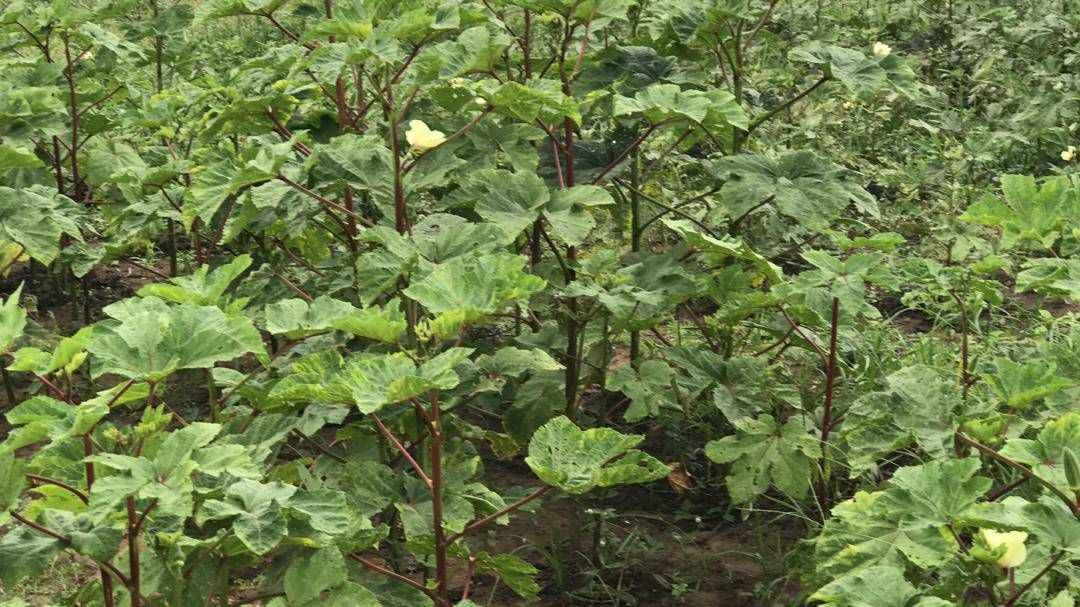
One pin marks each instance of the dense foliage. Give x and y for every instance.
(286, 282)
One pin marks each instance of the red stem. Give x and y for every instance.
(826, 418)
(69, 75)
(135, 574)
(442, 574)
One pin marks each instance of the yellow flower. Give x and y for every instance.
(1068, 153)
(1013, 541)
(421, 138)
(881, 49)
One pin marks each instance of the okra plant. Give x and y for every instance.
(287, 283)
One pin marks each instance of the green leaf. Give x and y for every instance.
(880, 586)
(939, 491)
(17, 158)
(567, 212)
(763, 453)
(862, 75)
(916, 408)
(1018, 385)
(175, 451)
(865, 531)
(12, 320)
(665, 103)
(70, 353)
(203, 288)
(718, 250)
(1050, 275)
(649, 388)
(1028, 212)
(464, 290)
(94, 538)
(475, 49)
(26, 553)
(359, 161)
(800, 184)
(513, 362)
(906, 524)
(576, 460)
(214, 184)
(149, 340)
(510, 200)
(35, 218)
(326, 510)
(516, 573)
(230, 8)
(12, 480)
(256, 509)
(295, 318)
(369, 486)
(538, 99)
(307, 578)
(1046, 453)
(372, 381)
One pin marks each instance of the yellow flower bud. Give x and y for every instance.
(881, 49)
(1068, 153)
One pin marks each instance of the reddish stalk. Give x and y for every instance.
(441, 570)
(965, 377)
(400, 217)
(826, 418)
(798, 330)
(69, 75)
(295, 289)
(572, 370)
(135, 573)
(467, 586)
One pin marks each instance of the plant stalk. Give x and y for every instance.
(826, 418)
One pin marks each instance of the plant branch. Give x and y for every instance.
(497, 515)
(401, 448)
(761, 23)
(1074, 507)
(1012, 599)
(327, 202)
(756, 122)
(44, 480)
(670, 209)
(408, 167)
(284, 30)
(391, 574)
(629, 150)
